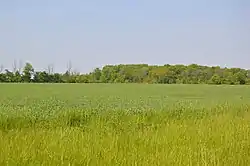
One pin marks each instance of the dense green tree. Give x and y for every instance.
(41, 77)
(28, 72)
(215, 79)
(10, 77)
(18, 77)
(96, 75)
(133, 73)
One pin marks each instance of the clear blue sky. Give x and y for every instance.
(92, 33)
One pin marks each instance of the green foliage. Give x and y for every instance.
(28, 72)
(136, 73)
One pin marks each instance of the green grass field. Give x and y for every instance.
(124, 124)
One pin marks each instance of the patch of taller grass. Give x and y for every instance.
(174, 136)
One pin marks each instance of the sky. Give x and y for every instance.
(91, 34)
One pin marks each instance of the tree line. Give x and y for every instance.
(131, 73)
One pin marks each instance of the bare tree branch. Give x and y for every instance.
(14, 66)
(20, 66)
(50, 69)
(1, 68)
(69, 67)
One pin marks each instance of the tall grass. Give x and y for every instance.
(113, 125)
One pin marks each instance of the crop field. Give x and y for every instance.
(124, 124)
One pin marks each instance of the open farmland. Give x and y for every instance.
(124, 124)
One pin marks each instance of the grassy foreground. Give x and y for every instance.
(119, 124)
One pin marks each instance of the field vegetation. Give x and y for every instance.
(124, 124)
